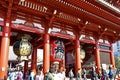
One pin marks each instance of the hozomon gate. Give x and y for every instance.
(73, 19)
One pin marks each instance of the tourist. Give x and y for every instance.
(104, 75)
(71, 74)
(78, 76)
(60, 75)
(12, 75)
(31, 75)
(20, 75)
(49, 75)
(99, 75)
(64, 75)
(84, 74)
(110, 73)
(39, 76)
(93, 74)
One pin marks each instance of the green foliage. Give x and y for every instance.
(117, 61)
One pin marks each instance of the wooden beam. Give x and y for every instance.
(69, 48)
(104, 44)
(82, 29)
(87, 41)
(116, 37)
(52, 18)
(40, 45)
(103, 50)
(27, 28)
(64, 36)
(101, 33)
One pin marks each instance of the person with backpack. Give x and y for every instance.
(110, 73)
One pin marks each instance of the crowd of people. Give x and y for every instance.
(60, 75)
(101, 75)
(29, 75)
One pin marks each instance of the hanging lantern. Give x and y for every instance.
(82, 54)
(22, 48)
(56, 50)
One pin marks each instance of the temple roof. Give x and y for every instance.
(97, 18)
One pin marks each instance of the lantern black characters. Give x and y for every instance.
(22, 48)
(56, 51)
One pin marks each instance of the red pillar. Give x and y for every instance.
(46, 55)
(77, 55)
(97, 57)
(5, 42)
(112, 58)
(34, 60)
(25, 67)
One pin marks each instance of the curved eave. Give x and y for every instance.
(83, 14)
(95, 10)
(104, 7)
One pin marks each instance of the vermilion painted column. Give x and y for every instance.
(77, 55)
(97, 57)
(46, 55)
(112, 58)
(25, 68)
(5, 42)
(34, 60)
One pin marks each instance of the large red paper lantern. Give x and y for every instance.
(57, 50)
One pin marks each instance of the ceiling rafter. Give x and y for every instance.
(52, 18)
(82, 29)
(116, 36)
(102, 32)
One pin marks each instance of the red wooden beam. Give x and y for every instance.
(103, 50)
(102, 33)
(83, 28)
(65, 36)
(69, 48)
(104, 44)
(27, 28)
(87, 41)
(40, 45)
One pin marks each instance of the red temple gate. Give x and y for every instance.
(80, 17)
